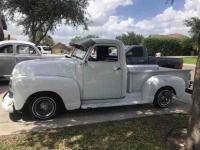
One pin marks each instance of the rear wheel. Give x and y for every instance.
(43, 107)
(164, 97)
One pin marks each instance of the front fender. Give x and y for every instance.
(154, 83)
(66, 88)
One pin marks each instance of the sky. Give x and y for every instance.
(110, 18)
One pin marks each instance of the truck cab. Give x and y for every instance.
(96, 75)
(103, 67)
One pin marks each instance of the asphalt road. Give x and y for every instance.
(79, 117)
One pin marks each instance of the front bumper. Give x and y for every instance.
(8, 103)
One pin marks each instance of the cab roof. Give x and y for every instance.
(89, 42)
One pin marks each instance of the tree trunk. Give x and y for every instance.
(1, 34)
(193, 142)
(33, 35)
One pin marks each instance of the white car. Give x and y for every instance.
(45, 49)
(91, 78)
(13, 52)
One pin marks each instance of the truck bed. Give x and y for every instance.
(138, 74)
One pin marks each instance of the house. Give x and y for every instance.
(61, 48)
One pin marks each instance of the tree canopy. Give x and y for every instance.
(194, 24)
(130, 38)
(45, 15)
(79, 38)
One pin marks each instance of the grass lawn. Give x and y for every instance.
(147, 133)
(190, 60)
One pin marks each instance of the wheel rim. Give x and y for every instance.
(165, 97)
(44, 107)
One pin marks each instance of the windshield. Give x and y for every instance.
(79, 53)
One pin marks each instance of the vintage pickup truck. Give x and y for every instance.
(91, 78)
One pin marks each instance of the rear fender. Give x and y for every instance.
(154, 83)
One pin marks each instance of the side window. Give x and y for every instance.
(135, 52)
(104, 53)
(25, 49)
(6, 49)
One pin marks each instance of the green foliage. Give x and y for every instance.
(168, 46)
(186, 46)
(79, 38)
(194, 24)
(130, 38)
(45, 15)
(46, 41)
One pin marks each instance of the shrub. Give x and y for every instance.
(169, 46)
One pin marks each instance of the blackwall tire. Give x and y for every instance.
(163, 97)
(43, 107)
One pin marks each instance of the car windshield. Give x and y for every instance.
(79, 53)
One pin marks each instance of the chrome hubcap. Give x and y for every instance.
(44, 107)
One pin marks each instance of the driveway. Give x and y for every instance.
(79, 117)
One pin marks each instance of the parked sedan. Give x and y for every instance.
(13, 52)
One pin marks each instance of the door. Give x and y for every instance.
(25, 52)
(102, 74)
(7, 60)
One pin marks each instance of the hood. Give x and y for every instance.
(63, 67)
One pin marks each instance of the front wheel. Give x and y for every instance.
(164, 97)
(43, 107)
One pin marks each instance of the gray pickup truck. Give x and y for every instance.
(12, 52)
(136, 54)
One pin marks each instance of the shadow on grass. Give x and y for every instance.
(141, 133)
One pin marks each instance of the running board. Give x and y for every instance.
(130, 99)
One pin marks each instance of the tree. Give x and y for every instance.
(79, 38)
(193, 141)
(194, 23)
(3, 25)
(130, 38)
(186, 46)
(47, 40)
(45, 15)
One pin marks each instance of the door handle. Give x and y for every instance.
(117, 68)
